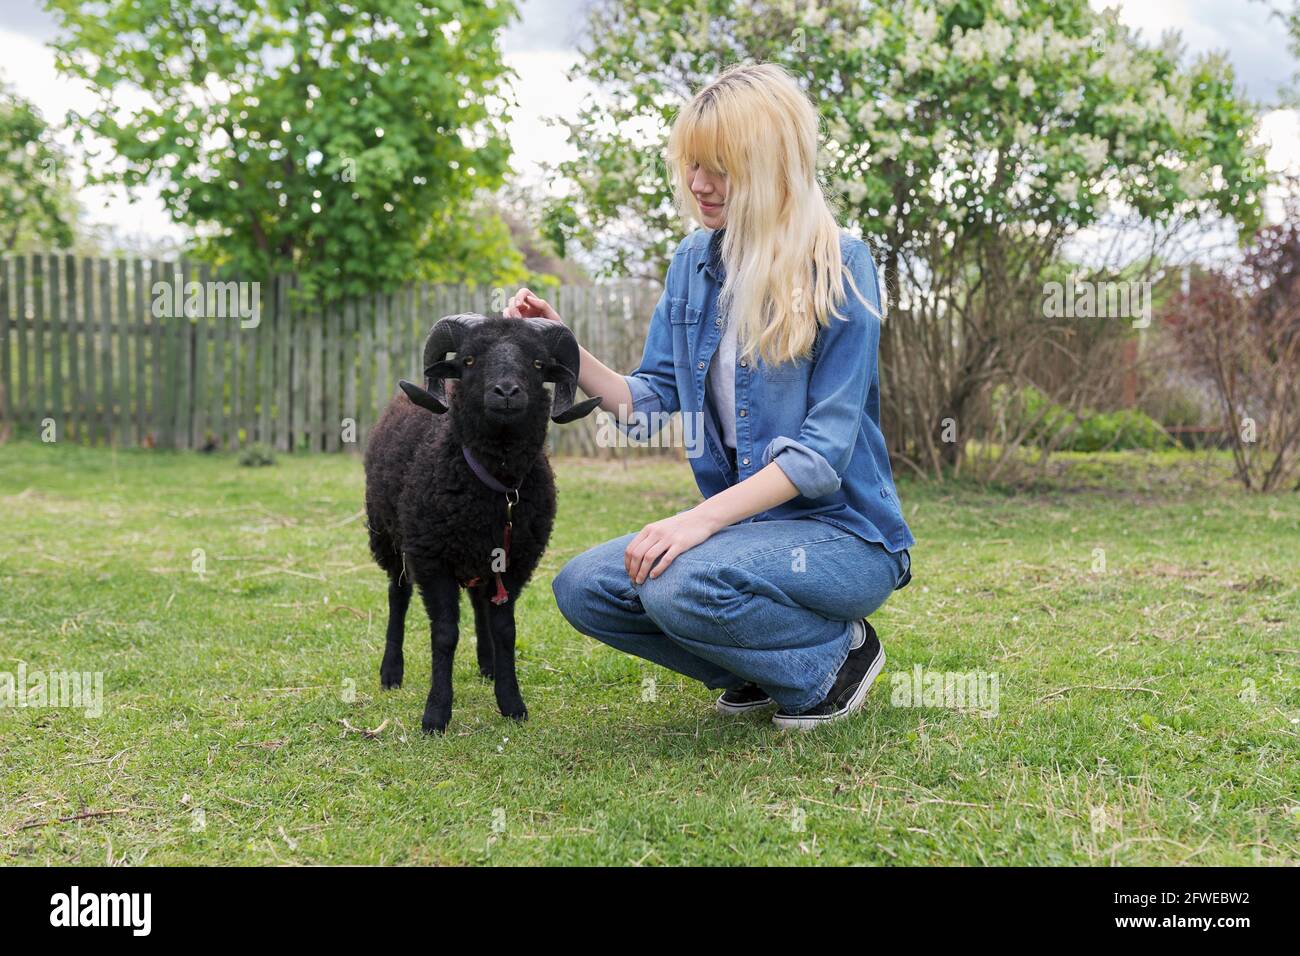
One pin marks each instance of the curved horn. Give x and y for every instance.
(445, 336)
(562, 350)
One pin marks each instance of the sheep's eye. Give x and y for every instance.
(469, 360)
(537, 363)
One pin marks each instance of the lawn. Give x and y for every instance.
(1140, 615)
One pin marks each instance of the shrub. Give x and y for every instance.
(1052, 426)
(256, 456)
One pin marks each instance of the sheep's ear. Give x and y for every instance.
(555, 372)
(423, 398)
(434, 395)
(562, 407)
(574, 412)
(443, 369)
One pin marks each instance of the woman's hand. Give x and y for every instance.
(669, 538)
(524, 305)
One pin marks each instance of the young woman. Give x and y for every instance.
(767, 332)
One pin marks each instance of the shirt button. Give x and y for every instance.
(884, 493)
(743, 413)
(744, 461)
(701, 366)
(744, 363)
(717, 321)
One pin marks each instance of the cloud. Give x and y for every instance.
(1248, 33)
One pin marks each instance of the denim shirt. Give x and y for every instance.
(818, 418)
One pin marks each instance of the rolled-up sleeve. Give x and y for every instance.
(843, 371)
(653, 384)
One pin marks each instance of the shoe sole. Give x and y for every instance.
(854, 704)
(735, 710)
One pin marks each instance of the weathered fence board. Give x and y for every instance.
(131, 353)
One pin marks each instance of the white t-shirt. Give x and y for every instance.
(722, 383)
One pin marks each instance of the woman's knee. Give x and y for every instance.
(679, 598)
(571, 588)
(585, 580)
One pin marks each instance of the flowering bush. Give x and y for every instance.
(966, 140)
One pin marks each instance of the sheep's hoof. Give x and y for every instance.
(435, 722)
(390, 678)
(434, 728)
(519, 713)
(487, 674)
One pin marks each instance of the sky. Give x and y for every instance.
(541, 48)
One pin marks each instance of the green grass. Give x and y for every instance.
(228, 692)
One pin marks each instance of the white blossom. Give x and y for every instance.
(1029, 48)
(1025, 85)
(1194, 182)
(1058, 46)
(1128, 109)
(923, 22)
(890, 145)
(869, 40)
(996, 38)
(967, 47)
(1093, 149)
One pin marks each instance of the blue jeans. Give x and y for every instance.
(765, 601)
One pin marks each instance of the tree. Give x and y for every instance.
(35, 199)
(1238, 327)
(967, 139)
(346, 142)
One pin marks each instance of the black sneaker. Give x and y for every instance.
(860, 669)
(741, 700)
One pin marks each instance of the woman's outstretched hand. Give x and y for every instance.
(525, 305)
(669, 538)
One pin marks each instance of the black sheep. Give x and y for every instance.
(435, 522)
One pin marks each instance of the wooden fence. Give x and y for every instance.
(97, 351)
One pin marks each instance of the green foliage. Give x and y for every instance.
(256, 456)
(944, 119)
(1051, 425)
(35, 199)
(346, 143)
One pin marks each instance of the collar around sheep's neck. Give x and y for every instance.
(485, 476)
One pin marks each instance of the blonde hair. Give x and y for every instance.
(781, 248)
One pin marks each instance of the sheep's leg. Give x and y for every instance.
(509, 700)
(483, 632)
(399, 599)
(441, 596)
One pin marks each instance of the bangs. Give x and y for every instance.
(699, 136)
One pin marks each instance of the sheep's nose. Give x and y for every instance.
(506, 391)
